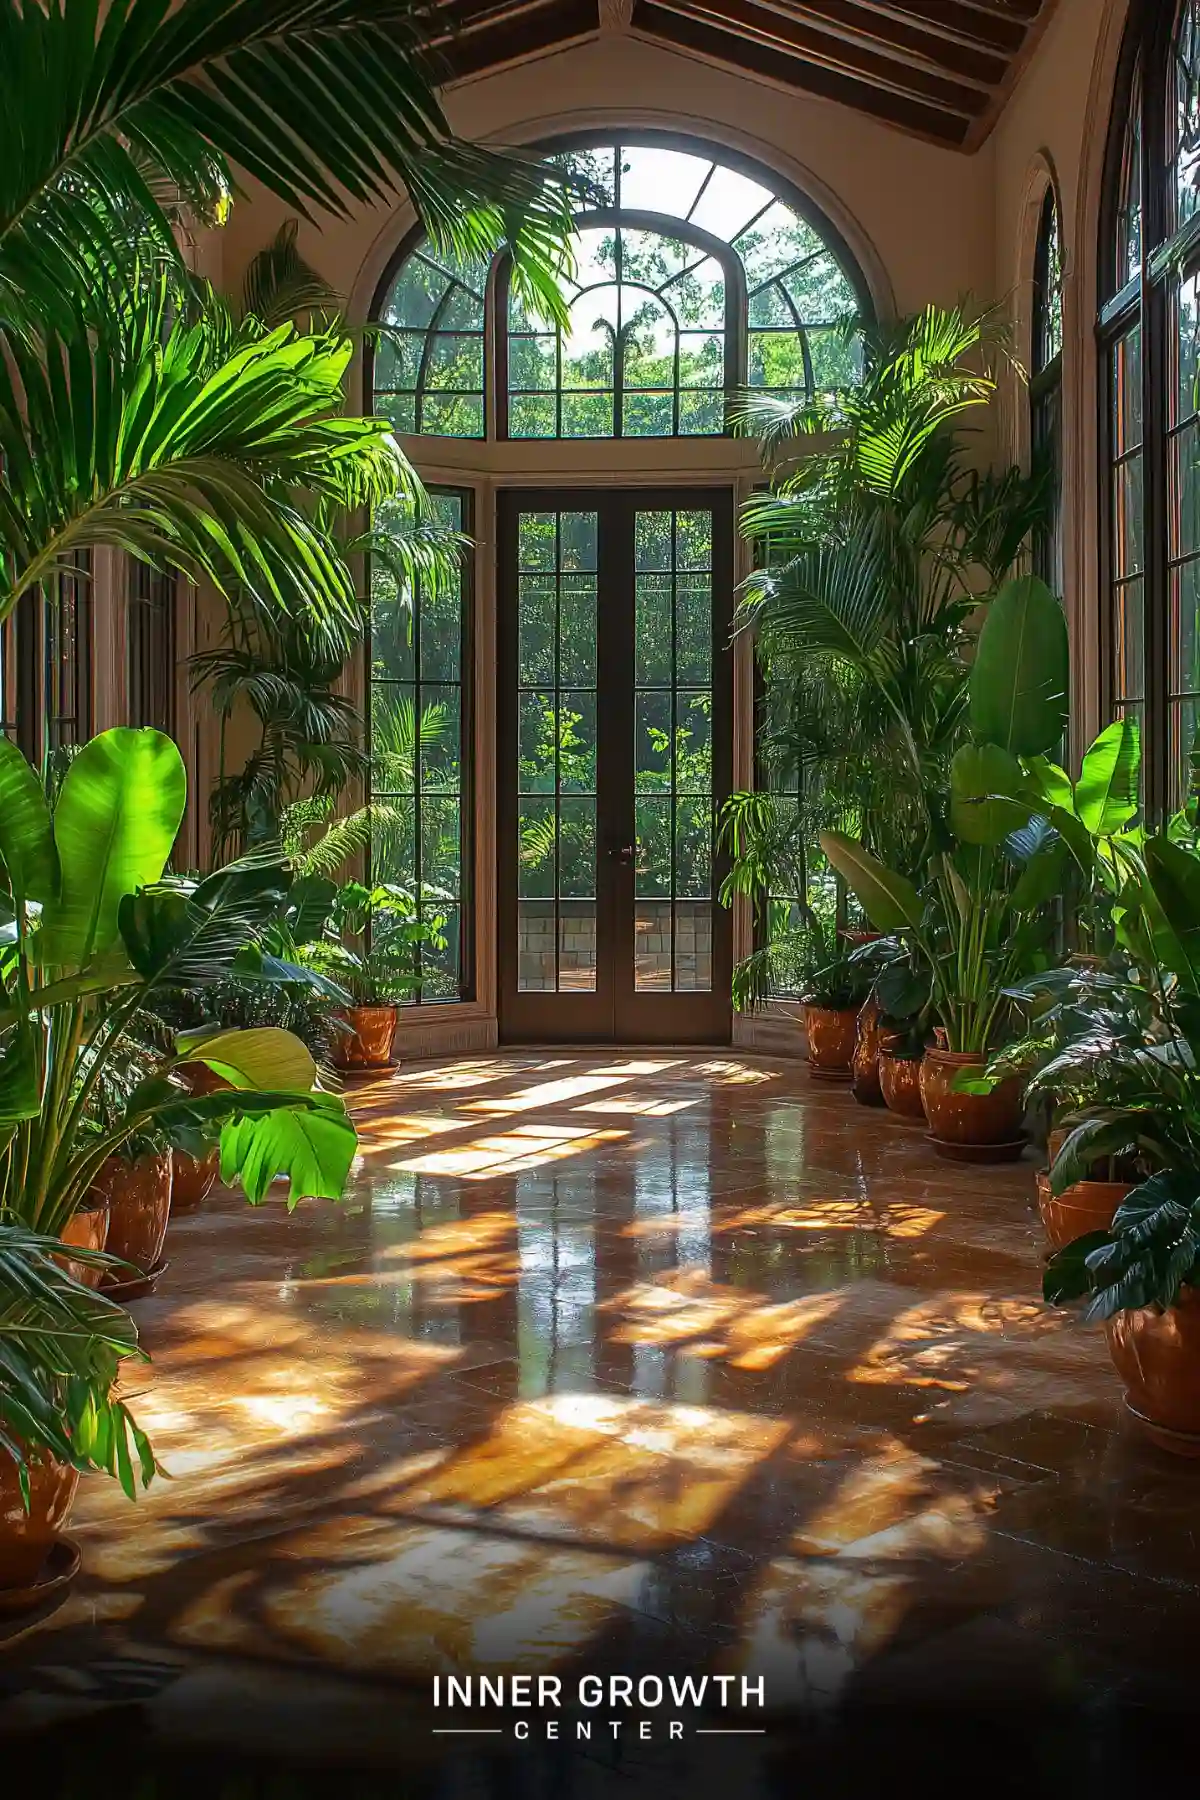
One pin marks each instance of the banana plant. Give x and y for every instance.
(980, 919)
(93, 935)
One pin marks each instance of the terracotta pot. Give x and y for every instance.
(831, 1039)
(864, 1064)
(198, 1078)
(192, 1179)
(900, 1085)
(138, 1197)
(1055, 1140)
(366, 1042)
(1157, 1356)
(861, 937)
(27, 1538)
(956, 1118)
(1083, 1207)
(89, 1231)
(939, 1037)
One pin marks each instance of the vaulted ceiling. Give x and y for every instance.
(940, 69)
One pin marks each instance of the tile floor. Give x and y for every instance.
(621, 1361)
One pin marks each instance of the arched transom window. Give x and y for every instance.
(695, 276)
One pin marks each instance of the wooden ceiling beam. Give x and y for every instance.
(959, 20)
(922, 40)
(789, 71)
(509, 36)
(750, 18)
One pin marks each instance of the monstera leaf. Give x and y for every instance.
(313, 1147)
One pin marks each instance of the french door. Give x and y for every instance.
(615, 752)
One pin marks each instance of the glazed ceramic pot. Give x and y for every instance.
(1083, 1207)
(88, 1230)
(192, 1179)
(864, 1064)
(365, 1037)
(1157, 1356)
(970, 1120)
(900, 1085)
(832, 1035)
(27, 1538)
(138, 1196)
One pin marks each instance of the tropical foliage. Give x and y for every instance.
(875, 547)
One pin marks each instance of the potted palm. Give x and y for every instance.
(370, 947)
(61, 1346)
(979, 921)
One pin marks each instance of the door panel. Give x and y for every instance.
(615, 743)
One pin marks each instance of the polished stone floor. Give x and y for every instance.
(622, 1361)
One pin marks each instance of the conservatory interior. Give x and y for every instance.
(600, 903)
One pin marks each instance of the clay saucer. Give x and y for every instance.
(1010, 1151)
(137, 1286)
(58, 1572)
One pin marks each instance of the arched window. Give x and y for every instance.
(1045, 379)
(695, 276)
(1148, 324)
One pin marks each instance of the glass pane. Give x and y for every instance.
(693, 949)
(577, 946)
(693, 848)
(1127, 517)
(693, 742)
(693, 628)
(1127, 392)
(652, 541)
(652, 947)
(652, 762)
(536, 962)
(1185, 634)
(577, 742)
(577, 629)
(535, 655)
(537, 735)
(537, 853)
(1129, 665)
(577, 849)
(652, 650)
(1187, 399)
(439, 730)
(652, 870)
(1184, 128)
(1183, 722)
(393, 737)
(1185, 490)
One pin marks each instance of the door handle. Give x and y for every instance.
(622, 852)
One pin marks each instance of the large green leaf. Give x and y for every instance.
(1173, 874)
(889, 900)
(1106, 794)
(20, 1090)
(1020, 675)
(312, 1146)
(119, 810)
(265, 1057)
(985, 784)
(26, 837)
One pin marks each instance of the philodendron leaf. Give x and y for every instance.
(267, 1058)
(118, 812)
(889, 900)
(985, 782)
(26, 837)
(1106, 794)
(312, 1146)
(1018, 682)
